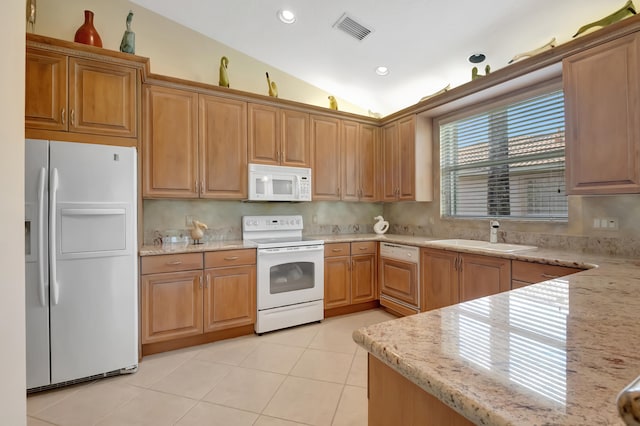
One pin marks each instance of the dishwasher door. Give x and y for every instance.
(399, 278)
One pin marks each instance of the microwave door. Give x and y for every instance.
(283, 186)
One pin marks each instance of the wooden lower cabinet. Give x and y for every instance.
(171, 306)
(229, 297)
(349, 274)
(449, 277)
(527, 273)
(394, 400)
(193, 298)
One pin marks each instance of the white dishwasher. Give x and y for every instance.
(399, 278)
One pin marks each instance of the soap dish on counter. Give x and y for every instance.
(175, 243)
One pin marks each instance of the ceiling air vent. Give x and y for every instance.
(350, 26)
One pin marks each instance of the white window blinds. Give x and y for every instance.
(506, 161)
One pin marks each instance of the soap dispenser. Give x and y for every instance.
(493, 234)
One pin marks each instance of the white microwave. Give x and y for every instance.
(279, 183)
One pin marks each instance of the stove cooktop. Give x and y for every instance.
(285, 242)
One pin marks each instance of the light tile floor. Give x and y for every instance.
(308, 375)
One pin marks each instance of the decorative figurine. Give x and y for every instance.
(534, 52)
(273, 89)
(474, 72)
(381, 226)
(224, 77)
(197, 232)
(623, 12)
(31, 15)
(333, 104)
(128, 43)
(439, 92)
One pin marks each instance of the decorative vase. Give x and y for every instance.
(87, 33)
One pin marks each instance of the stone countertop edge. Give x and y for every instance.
(150, 250)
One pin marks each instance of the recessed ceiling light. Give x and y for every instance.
(286, 16)
(382, 70)
(476, 58)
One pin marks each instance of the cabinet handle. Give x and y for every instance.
(338, 191)
(200, 280)
(208, 280)
(174, 262)
(63, 116)
(202, 186)
(363, 248)
(352, 264)
(197, 187)
(459, 264)
(335, 250)
(231, 258)
(73, 117)
(551, 277)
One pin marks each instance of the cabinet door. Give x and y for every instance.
(230, 297)
(483, 276)
(102, 98)
(295, 149)
(45, 90)
(406, 158)
(171, 306)
(223, 148)
(264, 134)
(170, 143)
(602, 103)
(439, 279)
(350, 182)
(389, 162)
(399, 280)
(325, 153)
(337, 281)
(363, 278)
(367, 163)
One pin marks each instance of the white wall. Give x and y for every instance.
(175, 50)
(12, 354)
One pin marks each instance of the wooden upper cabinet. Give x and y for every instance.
(358, 150)
(406, 168)
(102, 98)
(390, 154)
(170, 143)
(350, 183)
(325, 154)
(222, 148)
(264, 134)
(80, 95)
(368, 162)
(278, 136)
(46, 90)
(602, 108)
(295, 138)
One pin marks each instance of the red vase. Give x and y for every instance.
(87, 33)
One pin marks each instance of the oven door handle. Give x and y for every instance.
(296, 249)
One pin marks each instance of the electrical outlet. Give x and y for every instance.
(188, 220)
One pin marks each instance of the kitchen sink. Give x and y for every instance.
(484, 245)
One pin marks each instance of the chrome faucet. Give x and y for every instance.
(493, 234)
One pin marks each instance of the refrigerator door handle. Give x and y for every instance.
(41, 259)
(55, 289)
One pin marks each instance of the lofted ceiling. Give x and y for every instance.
(424, 43)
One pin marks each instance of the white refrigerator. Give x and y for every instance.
(81, 261)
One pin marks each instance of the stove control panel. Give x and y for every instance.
(271, 223)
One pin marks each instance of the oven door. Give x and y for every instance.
(290, 275)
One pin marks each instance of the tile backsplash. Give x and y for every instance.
(168, 218)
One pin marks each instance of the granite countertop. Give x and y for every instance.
(554, 353)
(150, 250)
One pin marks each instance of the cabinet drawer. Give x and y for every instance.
(337, 249)
(170, 263)
(363, 247)
(538, 272)
(216, 259)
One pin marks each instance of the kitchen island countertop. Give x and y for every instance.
(554, 353)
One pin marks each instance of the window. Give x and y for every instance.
(505, 161)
